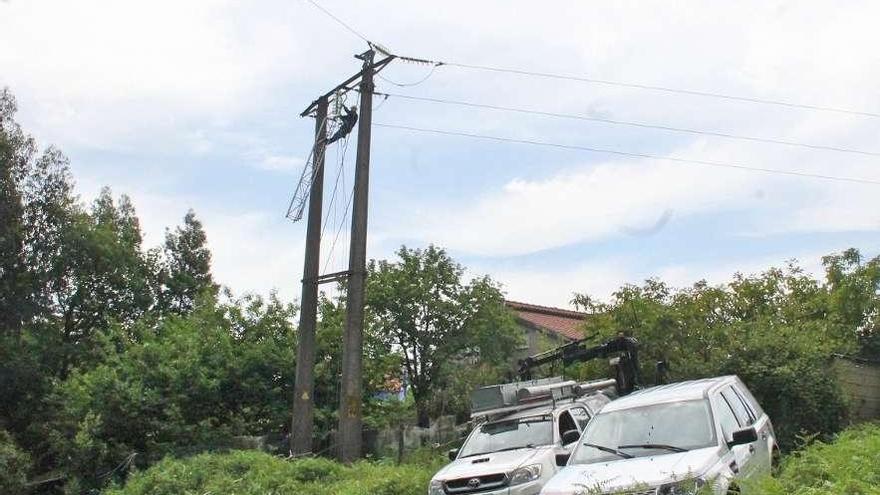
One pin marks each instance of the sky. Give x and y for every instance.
(195, 104)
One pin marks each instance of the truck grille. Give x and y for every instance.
(476, 484)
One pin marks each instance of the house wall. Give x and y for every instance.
(537, 341)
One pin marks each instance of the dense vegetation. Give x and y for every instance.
(115, 355)
(847, 466)
(777, 330)
(256, 473)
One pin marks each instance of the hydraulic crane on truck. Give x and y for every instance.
(622, 351)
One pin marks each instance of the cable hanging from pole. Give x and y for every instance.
(711, 163)
(606, 82)
(642, 125)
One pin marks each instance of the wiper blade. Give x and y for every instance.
(527, 446)
(610, 450)
(659, 446)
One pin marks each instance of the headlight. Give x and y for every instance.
(525, 474)
(686, 487)
(436, 488)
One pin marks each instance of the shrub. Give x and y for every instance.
(253, 473)
(848, 466)
(14, 465)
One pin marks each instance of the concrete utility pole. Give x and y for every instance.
(303, 423)
(350, 398)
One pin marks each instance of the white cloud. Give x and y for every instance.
(584, 204)
(199, 78)
(279, 163)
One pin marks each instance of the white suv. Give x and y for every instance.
(515, 453)
(671, 440)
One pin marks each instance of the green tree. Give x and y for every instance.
(14, 465)
(16, 151)
(437, 322)
(854, 296)
(776, 330)
(190, 384)
(187, 271)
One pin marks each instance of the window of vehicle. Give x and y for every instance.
(744, 392)
(749, 404)
(566, 423)
(581, 416)
(743, 416)
(726, 417)
(647, 430)
(509, 435)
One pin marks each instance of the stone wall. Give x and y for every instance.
(396, 442)
(860, 380)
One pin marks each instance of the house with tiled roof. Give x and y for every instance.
(545, 327)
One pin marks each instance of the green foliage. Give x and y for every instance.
(245, 473)
(776, 330)
(848, 466)
(192, 384)
(421, 306)
(187, 267)
(14, 465)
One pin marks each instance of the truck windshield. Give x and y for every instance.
(509, 435)
(649, 430)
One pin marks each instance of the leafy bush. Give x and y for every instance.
(256, 473)
(188, 386)
(848, 466)
(14, 465)
(771, 329)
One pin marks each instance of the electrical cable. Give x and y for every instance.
(642, 125)
(340, 21)
(409, 85)
(593, 80)
(634, 154)
(335, 184)
(344, 216)
(664, 89)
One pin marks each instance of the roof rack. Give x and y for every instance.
(507, 398)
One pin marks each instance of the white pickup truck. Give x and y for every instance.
(520, 428)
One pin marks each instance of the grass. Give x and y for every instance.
(850, 465)
(252, 473)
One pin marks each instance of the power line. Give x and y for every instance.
(339, 21)
(607, 82)
(634, 154)
(642, 125)
(665, 89)
(339, 230)
(407, 85)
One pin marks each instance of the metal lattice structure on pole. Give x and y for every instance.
(303, 188)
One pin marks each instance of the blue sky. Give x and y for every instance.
(195, 105)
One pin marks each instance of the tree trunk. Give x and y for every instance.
(423, 420)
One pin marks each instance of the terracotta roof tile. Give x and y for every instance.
(563, 322)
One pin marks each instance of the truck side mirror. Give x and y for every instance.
(570, 436)
(743, 436)
(452, 454)
(562, 459)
